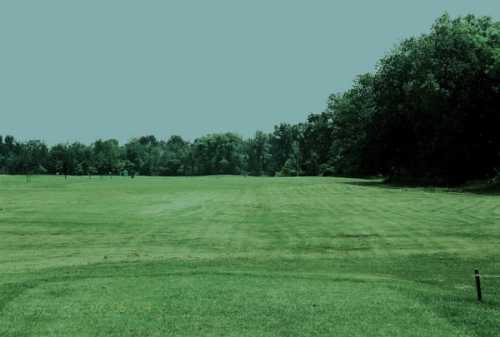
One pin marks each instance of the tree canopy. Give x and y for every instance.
(430, 112)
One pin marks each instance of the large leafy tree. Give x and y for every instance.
(350, 151)
(437, 99)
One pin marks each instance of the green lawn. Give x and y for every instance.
(234, 256)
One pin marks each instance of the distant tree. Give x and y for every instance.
(281, 141)
(11, 151)
(32, 157)
(218, 154)
(174, 160)
(59, 159)
(145, 153)
(107, 157)
(258, 155)
(2, 155)
(316, 142)
(292, 166)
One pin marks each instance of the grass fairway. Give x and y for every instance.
(234, 256)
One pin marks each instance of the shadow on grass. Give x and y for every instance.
(484, 189)
(480, 188)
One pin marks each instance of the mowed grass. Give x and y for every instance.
(235, 256)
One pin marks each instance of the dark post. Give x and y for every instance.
(478, 286)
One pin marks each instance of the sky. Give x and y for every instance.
(83, 70)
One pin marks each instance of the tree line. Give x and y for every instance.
(430, 112)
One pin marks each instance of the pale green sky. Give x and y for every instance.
(80, 70)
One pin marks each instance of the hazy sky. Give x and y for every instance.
(81, 70)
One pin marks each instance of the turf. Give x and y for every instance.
(235, 256)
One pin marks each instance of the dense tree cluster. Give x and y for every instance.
(437, 101)
(430, 112)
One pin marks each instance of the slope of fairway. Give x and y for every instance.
(235, 256)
